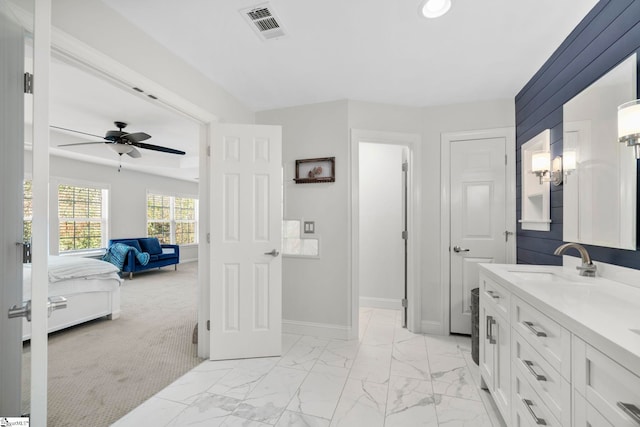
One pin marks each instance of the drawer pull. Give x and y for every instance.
(493, 295)
(538, 420)
(490, 322)
(537, 376)
(536, 332)
(630, 409)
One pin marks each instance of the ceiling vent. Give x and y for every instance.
(263, 21)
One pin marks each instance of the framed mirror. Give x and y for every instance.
(599, 195)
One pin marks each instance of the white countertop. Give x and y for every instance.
(600, 311)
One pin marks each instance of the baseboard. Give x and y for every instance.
(388, 303)
(431, 327)
(322, 330)
(185, 261)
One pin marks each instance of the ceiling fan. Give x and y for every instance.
(122, 142)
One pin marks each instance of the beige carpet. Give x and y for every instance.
(101, 370)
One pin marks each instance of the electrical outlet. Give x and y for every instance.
(309, 227)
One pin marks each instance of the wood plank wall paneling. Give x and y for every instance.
(606, 36)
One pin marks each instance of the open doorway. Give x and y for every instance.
(383, 228)
(126, 194)
(385, 224)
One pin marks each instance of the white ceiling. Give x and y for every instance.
(83, 101)
(369, 50)
(373, 50)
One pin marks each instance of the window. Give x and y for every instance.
(82, 218)
(27, 203)
(173, 220)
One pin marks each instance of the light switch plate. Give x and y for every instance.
(309, 227)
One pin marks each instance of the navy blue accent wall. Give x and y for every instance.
(604, 38)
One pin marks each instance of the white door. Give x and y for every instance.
(478, 219)
(246, 230)
(11, 173)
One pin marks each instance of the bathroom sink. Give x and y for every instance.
(539, 276)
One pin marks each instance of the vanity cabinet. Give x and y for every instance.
(557, 351)
(604, 386)
(495, 347)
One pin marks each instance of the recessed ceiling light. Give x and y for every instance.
(435, 8)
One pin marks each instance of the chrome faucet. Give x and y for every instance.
(588, 268)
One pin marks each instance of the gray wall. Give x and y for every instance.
(128, 196)
(318, 290)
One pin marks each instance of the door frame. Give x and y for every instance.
(414, 222)
(92, 60)
(508, 133)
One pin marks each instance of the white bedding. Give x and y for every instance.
(72, 275)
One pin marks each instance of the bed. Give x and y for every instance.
(91, 287)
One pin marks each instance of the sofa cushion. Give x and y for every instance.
(153, 258)
(151, 245)
(166, 256)
(133, 243)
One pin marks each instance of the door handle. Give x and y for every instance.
(56, 303)
(273, 253)
(458, 249)
(24, 310)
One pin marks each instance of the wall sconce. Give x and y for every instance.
(629, 125)
(568, 162)
(540, 166)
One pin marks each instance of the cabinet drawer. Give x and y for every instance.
(606, 384)
(585, 415)
(528, 409)
(550, 339)
(495, 295)
(547, 382)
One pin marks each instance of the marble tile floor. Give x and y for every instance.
(390, 377)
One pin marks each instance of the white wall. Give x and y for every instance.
(381, 223)
(103, 29)
(323, 130)
(316, 290)
(127, 196)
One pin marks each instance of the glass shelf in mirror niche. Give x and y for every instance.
(599, 195)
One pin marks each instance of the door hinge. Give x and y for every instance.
(28, 83)
(208, 151)
(208, 325)
(405, 235)
(505, 160)
(208, 237)
(405, 167)
(405, 304)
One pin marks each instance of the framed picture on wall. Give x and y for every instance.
(310, 171)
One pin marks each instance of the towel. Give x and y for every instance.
(117, 254)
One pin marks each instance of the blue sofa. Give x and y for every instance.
(159, 255)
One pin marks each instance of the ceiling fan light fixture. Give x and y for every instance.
(434, 8)
(121, 148)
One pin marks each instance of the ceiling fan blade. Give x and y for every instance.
(83, 143)
(134, 153)
(76, 131)
(157, 148)
(136, 137)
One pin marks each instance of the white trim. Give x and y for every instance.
(322, 330)
(508, 133)
(388, 303)
(187, 261)
(430, 327)
(414, 222)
